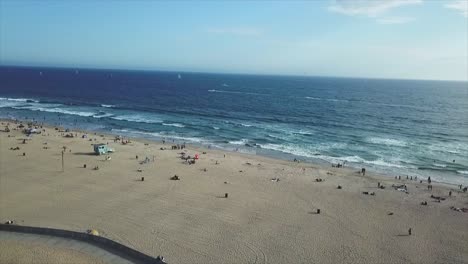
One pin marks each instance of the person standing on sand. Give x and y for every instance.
(409, 231)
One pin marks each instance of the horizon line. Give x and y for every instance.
(226, 73)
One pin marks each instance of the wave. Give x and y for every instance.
(359, 160)
(233, 92)
(277, 137)
(173, 124)
(449, 147)
(462, 172)
(309, 153)
(164, 136)
(387, 141)
(137, 118)
(433, 168)
(326, 99)
(67, 112)
(102, 115)
(302, 132)
(24, 100)
(239, 142)
(107, 106)
(216, 128)
(55, 109)
(440, 165)
(289, 150)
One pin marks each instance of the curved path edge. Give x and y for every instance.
(101, 242)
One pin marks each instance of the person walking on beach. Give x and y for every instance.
(409, 231)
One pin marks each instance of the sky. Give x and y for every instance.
(403, 39)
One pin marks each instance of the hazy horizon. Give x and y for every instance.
(392, 39)
(221, 73)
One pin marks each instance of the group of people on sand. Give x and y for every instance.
(178, 146)
(188, 159)
(339, 165)
(411, 178)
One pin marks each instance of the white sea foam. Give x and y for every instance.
(462, 172)
(137, 118)
(216, 128)
(381, 162)
(303, 132)
(173, 124)
(107, 106)
(162, 135)
(239, 142)
(232, 92)
(55, 108)
(359, 160)
(326, 99)
(119, 130)
(103, 115)
(289, 149)
(312, 153)
(67, 112)
(18, 99)
(440, 165)
(15, 102)
(9, 104)
(277, 137)
(387, 141)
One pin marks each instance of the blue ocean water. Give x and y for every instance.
(399, 127)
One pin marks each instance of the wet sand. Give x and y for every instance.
(261, 221)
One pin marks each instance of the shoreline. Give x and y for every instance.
(322, 165)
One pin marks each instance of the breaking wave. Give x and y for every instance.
(173, 124)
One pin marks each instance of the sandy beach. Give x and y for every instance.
(190, 220)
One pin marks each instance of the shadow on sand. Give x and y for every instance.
(85, 153)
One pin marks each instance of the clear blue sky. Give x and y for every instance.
(413, 39)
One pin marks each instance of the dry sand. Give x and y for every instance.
(190, 221)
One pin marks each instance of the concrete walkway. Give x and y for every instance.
(58, 242)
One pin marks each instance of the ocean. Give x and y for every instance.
(396, 127)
